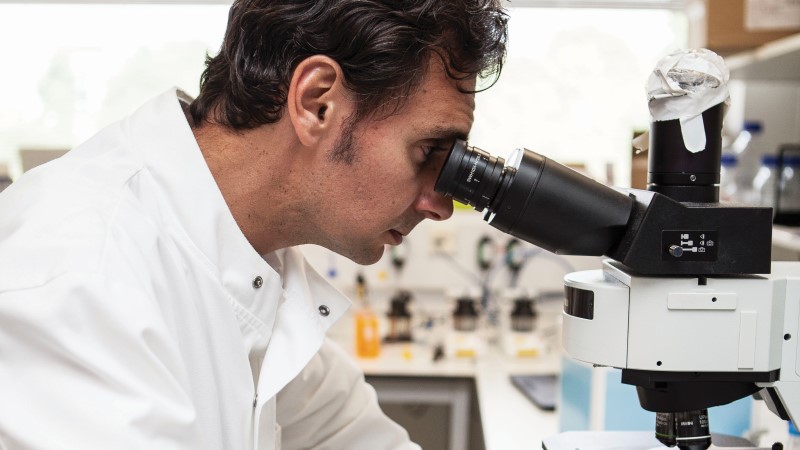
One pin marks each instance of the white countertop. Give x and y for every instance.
(509, 420)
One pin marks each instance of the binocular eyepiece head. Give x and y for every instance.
(536, 199)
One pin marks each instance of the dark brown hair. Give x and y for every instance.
(382, 46)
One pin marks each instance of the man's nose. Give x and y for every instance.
(434, 205)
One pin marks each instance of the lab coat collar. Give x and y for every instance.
(171, 154)
(299, 330)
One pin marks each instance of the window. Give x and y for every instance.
(70, 69)
(573, 86)
(572, 89)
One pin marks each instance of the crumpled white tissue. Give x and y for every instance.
(682, 86)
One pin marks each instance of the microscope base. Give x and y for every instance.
(630, 440)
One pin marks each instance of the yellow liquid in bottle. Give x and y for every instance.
(368, 340)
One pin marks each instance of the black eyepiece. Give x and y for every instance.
(471, 176)
(537, 199)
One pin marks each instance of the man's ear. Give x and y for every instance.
(317, 102)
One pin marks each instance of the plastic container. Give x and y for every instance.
(728, 186)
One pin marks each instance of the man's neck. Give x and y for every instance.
(256, 180)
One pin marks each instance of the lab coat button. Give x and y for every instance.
(324, 310)
(258, 282)
(255, 401)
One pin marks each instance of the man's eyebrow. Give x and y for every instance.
(448, 134)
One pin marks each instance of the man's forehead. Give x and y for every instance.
(448, 119)
(440, 106)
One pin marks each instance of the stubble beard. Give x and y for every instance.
(346, 151)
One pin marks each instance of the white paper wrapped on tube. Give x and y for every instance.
(682, 86)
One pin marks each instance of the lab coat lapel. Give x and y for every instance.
(300, 325)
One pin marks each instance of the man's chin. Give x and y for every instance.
(364, 256)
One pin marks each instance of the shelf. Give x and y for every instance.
(778, 60)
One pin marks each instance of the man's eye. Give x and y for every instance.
(429, 151)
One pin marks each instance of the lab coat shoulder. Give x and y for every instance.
(68, 204)
(84, 342)
(329, 406)
(85, 365)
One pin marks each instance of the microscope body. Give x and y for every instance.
(687, 342)
(689, 304)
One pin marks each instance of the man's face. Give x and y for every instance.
(387, 188)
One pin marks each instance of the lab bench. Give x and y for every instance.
(476, 390)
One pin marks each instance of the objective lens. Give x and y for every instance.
(686, 430)
(537, 200)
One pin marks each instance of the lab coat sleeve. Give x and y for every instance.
(329, 406)
(85, 363)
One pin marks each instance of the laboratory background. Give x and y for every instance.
(459, 328)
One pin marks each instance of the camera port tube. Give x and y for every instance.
(676, 172)
(537, 199)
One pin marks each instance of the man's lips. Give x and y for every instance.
(396, 236)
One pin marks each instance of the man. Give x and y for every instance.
(150, 292)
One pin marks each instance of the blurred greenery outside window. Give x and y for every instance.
(71, 69)
(572, 88)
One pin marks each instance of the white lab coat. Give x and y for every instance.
(132, 315)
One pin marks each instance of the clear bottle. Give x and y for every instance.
(789, 200)
(764, 183)
(750, 130)
(728, 186)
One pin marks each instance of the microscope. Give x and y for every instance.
(688, 303)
